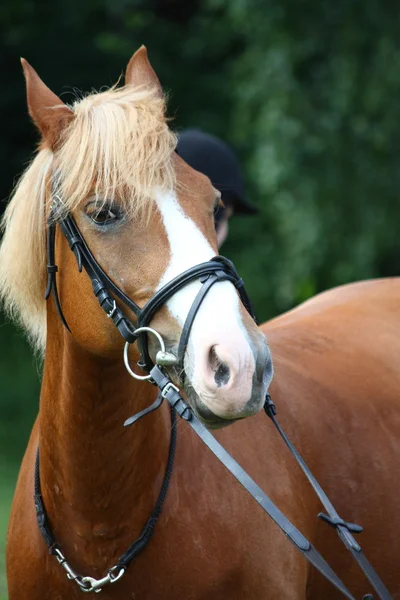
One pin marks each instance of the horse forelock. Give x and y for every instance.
(118, 147)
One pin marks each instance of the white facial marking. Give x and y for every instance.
(188, 247)
(218, 322)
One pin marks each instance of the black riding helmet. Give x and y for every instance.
(213, 157)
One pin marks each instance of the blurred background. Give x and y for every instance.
(306, 91)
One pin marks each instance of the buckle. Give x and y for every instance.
(112, 311)
(170, 386)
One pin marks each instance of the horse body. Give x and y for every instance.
(335, 383)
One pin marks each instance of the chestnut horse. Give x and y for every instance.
(147, 217)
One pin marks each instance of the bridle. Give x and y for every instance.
(208, 273)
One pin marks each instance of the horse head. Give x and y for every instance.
(146, 217)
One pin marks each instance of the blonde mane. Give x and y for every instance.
(117, 146)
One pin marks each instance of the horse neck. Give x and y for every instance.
(97, 476)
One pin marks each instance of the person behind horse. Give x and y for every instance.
(214, 158)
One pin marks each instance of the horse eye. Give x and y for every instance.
(103, 216)
(218, 204)
(219, 211)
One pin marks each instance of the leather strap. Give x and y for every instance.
(52, 269)
(208, 282)
(141, 542)
(174, 398)
(41, 514)
(343, 528)
(100, 281)
(221, 268)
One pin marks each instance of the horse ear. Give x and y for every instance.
(48, 112)
(140, 72)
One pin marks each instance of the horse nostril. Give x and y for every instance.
(222, 375)
(221, 370)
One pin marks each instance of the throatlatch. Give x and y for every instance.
(209, 273)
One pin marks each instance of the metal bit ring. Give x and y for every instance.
(126, 348)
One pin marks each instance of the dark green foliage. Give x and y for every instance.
(306, 91)
(316, 113)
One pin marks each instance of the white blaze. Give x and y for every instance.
(218, 321)
(189, 247)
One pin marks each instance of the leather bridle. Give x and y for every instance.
(208, 273)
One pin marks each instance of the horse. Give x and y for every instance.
(108, 160)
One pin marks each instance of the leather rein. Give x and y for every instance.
(208, 273)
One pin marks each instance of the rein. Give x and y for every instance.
(208, 273)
